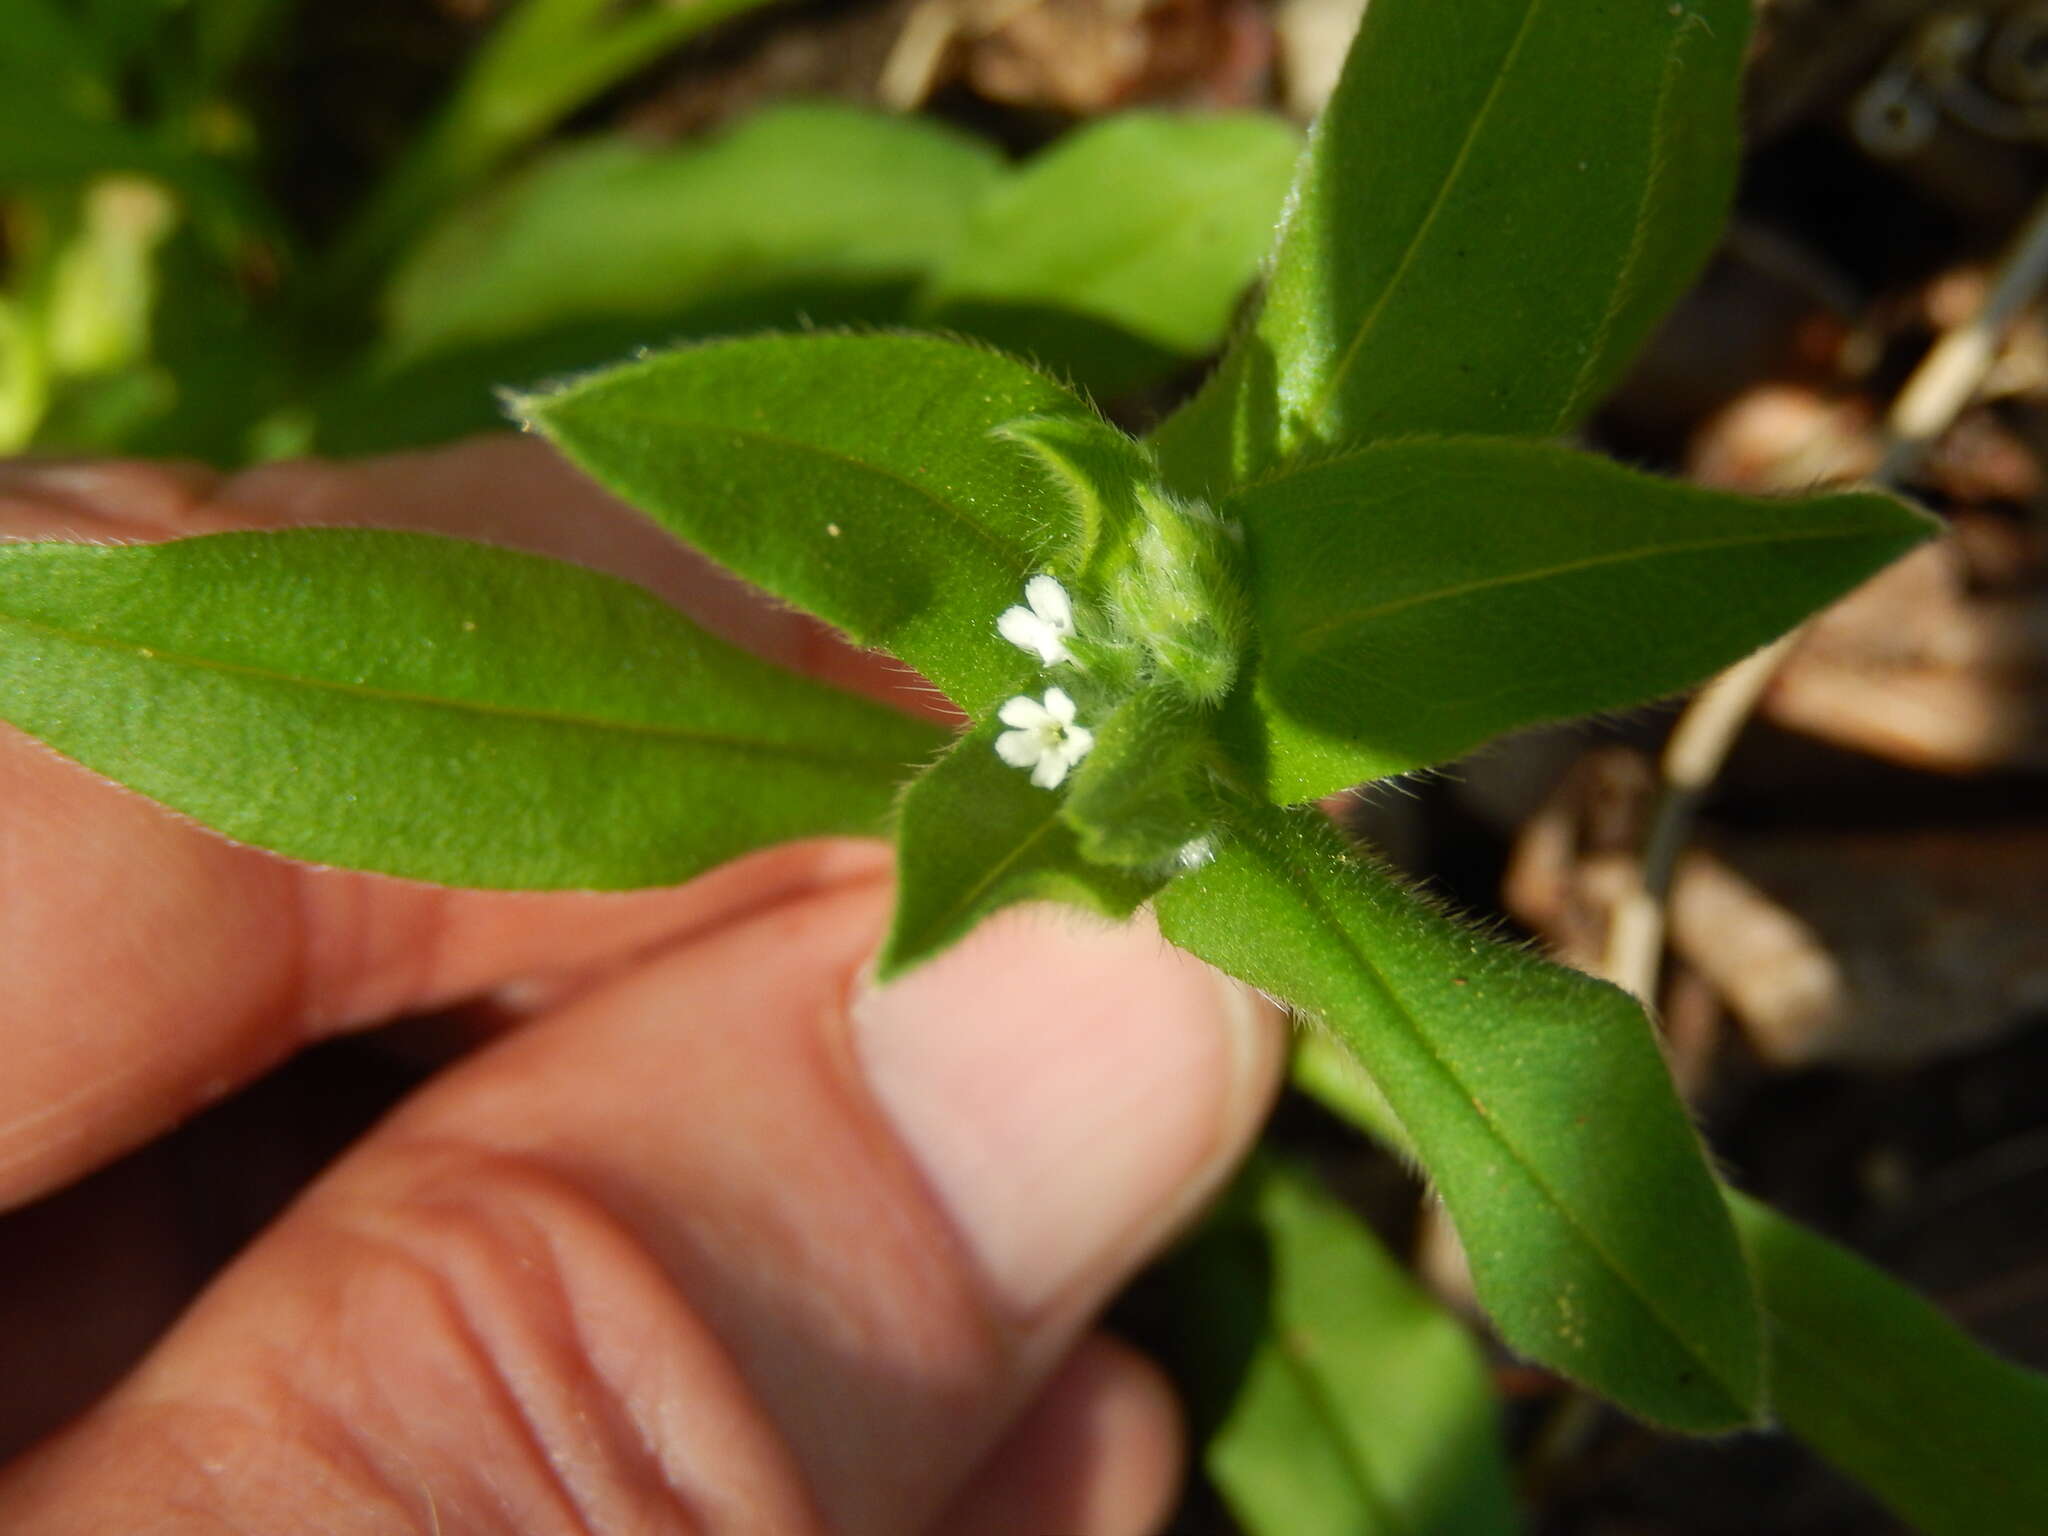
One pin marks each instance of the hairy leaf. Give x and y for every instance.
(975, 836)
(1102, 471)
(426, 707)
(1535, 1097)
(859, 477)
(1417, 598)
(1142, 796)
(1861, 1368)
(1497, 206)
(1338, 1081)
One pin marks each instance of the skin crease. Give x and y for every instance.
(705, 1234)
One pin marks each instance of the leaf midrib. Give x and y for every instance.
(1307, 639)
(1364, 1480)
(1019, 560)
(1319, 407)
(965, 902)
(677, 734)
(1620, 290)
(1313, 901)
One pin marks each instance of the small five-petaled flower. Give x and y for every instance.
(1044, 737)
(1045, 625)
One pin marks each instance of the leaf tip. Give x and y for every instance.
(902, 952)
(524, 408)
(1887, 512)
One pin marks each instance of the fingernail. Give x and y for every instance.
(1070, 1091)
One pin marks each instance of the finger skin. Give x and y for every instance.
(660, 1263)
(1098, 1454)
(147, 966)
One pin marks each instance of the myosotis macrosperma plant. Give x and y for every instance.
(1358, 552)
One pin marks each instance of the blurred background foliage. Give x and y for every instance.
(193, 268)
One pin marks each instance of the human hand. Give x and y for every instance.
(712, 1236)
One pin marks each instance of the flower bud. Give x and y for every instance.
(1181, 598)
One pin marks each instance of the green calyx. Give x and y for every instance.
(1144, 797)
(1181, 595)
(1160, 576)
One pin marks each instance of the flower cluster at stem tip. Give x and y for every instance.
(1044, 736)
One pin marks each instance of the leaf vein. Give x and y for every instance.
(964, 903)
(1313, 900)
(1355, 346)
(1386, 1516)
(1018, 559)
(1638, 242)
(674, 733)
(1308, 638)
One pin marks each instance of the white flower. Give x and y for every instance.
(1045, 626)
(1045, 740)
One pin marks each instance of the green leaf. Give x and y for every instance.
(1348, 1403)
(1492, 217)
(1101, 470)
(1535, 1097)
(1863, 1370)
(613, 228)
(1417, 598)
(976, 835)
(1151, 222)
(1142, 794)
(1893, 1393)
(431, 708)
(859, 477)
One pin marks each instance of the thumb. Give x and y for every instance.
(733, 1242)
(1069, 1096)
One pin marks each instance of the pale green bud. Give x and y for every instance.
(1181, 597)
